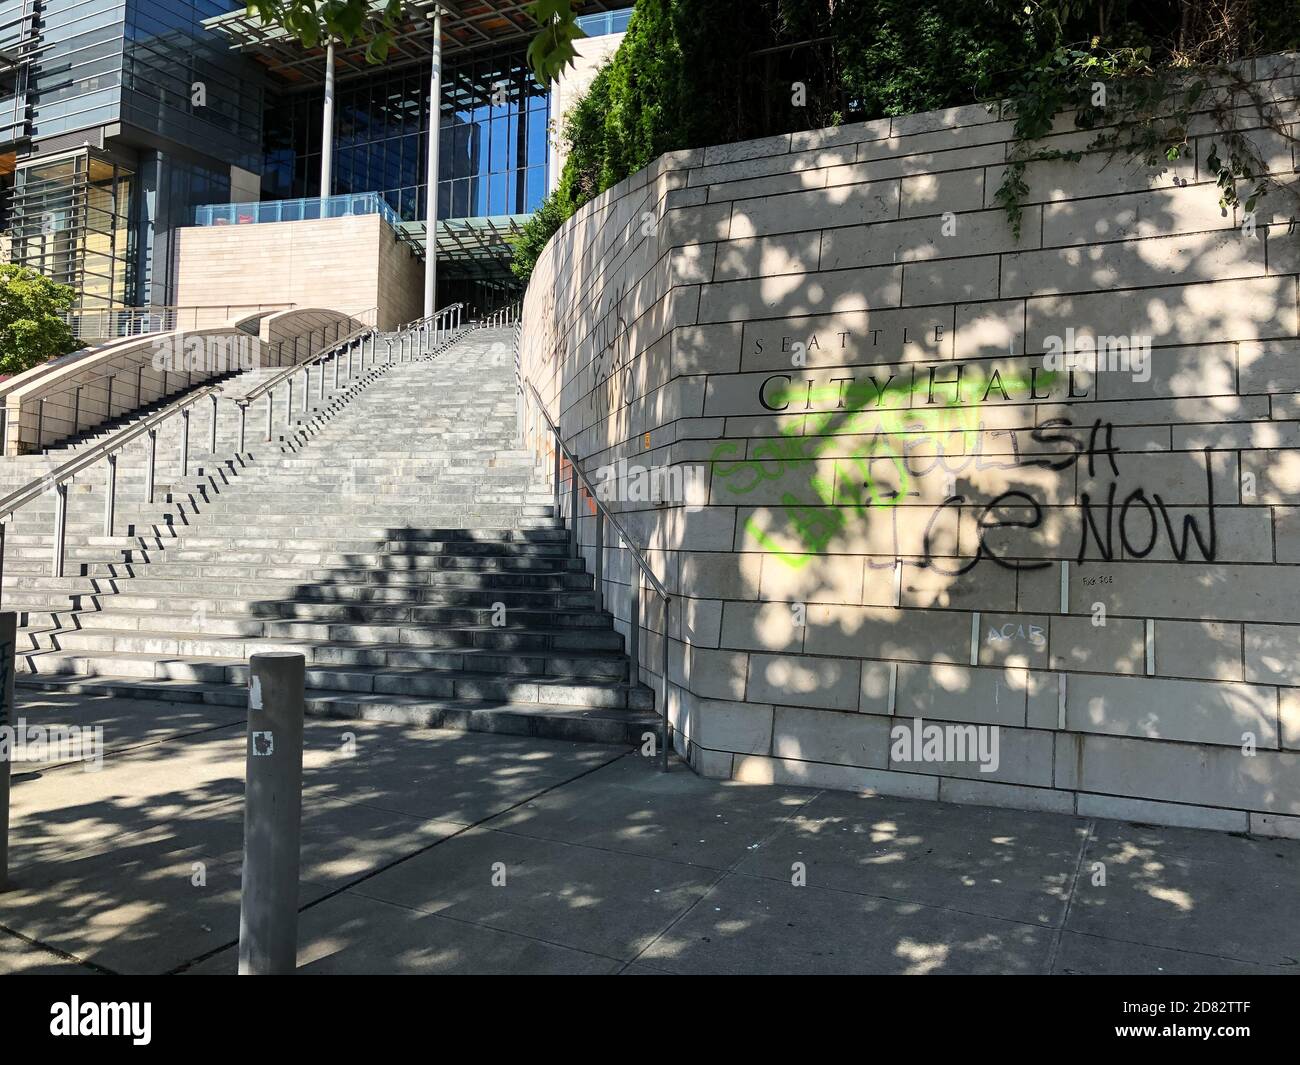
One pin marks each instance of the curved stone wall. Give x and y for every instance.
(855, 422)
(85, 388)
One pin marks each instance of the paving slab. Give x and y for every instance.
(19, 958)
(752, 924)
(352, 934)
(594, 900)
(1204, 892)
(996, 862)
(438, 774)
(630, 806)
(126, 723)
(1079, 955)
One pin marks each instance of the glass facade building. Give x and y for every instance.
(491, 153)
(119, 118)
(116, 120)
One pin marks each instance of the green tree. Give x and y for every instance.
(32, 326)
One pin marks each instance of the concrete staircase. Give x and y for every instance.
(392, 533)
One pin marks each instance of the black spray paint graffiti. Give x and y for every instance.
(815, 525)
(1098, 523)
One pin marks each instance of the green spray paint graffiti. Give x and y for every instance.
(883, 413)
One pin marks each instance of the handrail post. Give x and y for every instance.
(573, 509)
(599, 578)
(149, 468)
(243, 419)
(634, 629)
(76, 411)
(321, 382)
(306, 388)
(185, 442)
(270, 413)
(108, 410)
(338, 355)
(555, 473)
(139, 382)
(60, 528)
(213, 448)
(288, 410)
(110, 493)
(351, 349)
(664, 698)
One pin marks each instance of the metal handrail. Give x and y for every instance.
(604, 514)
(36, 488)
(167, 316)
(456, 310)
(58, 478)
(439, 324)
(289, 371)
(508, 315)
(107, 379)
(609, 515)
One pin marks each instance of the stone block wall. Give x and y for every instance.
(350, 264)
(879, 498)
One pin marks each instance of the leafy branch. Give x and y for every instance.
(1141, 112)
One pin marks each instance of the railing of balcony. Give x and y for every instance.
(307, 207)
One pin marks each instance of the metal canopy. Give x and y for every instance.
(469, 247)
(466, 25)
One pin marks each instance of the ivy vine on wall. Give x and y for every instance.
(1147, 114)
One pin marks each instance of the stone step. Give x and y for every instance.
(36, 576)
(509, 637)
(540, 720)
(377, 533)
(609, 664)
(602, 692)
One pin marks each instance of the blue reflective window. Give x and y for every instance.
(487, 149)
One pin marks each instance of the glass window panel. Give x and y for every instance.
(536, 141)
(535, 190)
(410, 159)
(497, 202)
(515, 161)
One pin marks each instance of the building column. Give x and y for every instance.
(431, 196)
(327, 124)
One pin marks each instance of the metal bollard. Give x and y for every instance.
(268, 903)
(8, 644)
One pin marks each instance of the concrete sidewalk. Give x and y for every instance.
(609, 866)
